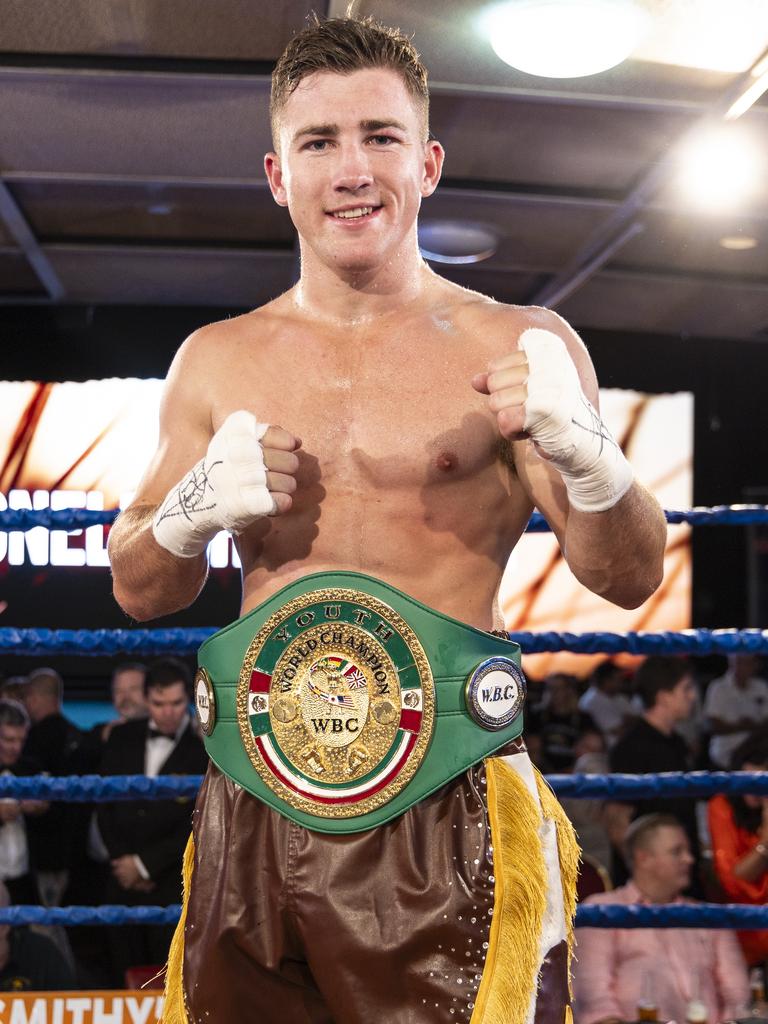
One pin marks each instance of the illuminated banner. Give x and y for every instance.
(80, 1007)
(85, 445)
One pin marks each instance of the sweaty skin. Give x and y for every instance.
(405, 468)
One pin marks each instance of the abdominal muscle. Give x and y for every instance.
(449, 553)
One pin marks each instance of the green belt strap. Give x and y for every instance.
(341, 701)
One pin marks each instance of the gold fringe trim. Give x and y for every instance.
(512, 961)
(174, 1010)
(569, 856)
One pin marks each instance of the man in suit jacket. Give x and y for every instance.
(52, 742)
(146, 838)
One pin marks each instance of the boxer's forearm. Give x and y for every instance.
(619, 553)
(149, 581)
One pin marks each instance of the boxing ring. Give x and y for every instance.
(150, 642)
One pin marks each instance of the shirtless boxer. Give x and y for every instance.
(381, 420)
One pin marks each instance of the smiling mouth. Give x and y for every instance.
(358, 213)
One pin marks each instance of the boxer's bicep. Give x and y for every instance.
(185, 427)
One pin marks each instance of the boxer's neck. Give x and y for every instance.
(357, 297)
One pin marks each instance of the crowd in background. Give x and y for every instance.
(670, 714)
(120, 852)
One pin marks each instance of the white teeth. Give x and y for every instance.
(359, 211)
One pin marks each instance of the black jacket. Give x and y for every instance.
(52, 742)
(155, 830)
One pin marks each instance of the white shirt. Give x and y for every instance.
(158, 749)
(14, 855)
(729, 702)
(608, 711)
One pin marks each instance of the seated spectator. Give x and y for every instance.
(14, 849)
(606, 701)
(52, 742)
(735, 705)
(559, 723)
(588, 816)
(146, 838)
(30, 962)
(651, 744)
(738, 828)
(617, 967)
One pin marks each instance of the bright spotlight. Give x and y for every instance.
(564, 38)
(720, 170)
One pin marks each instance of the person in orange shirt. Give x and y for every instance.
(738, 826)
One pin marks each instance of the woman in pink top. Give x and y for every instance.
(616, 969)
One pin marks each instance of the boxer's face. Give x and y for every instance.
(353, 144)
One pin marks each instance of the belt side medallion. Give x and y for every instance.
(336, 703)
(495, 693)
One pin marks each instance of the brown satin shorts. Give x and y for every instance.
(290, 926)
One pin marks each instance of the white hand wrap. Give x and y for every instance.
(226, 490)
(567, 428)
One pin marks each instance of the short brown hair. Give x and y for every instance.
(643, 829)
(657, 674)
(167, 672)
(344, 45)
(47, 683)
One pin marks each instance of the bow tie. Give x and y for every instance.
(156, 734)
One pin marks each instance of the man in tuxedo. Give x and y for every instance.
(146, 839)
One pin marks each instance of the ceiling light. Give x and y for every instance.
(452, 241)
(714, 35)
(565, 38)
(720, 170)
(738, 243)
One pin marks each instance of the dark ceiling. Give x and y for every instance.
(132, 134)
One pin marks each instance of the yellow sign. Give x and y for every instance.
(81, 1007)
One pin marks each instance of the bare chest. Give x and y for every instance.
(389, 412)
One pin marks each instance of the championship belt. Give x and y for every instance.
(341, 701)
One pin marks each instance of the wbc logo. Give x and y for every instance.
(336, 703)
(495, 693)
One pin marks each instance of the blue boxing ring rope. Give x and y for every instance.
(92, 788)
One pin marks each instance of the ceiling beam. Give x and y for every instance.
(17, 226)
(607, 234)
(262, 82)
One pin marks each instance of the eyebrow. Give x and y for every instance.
(332, 130)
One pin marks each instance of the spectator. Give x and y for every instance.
(14, 849)
(738, 828)
(52, 742)
(91, 872)
(735, 705)
(30, 962)
(146, 839)
(129, 702)
(606, 702)
(588, 816)
(651, 744)
(615, 968)
(559, 723)
(52, 738)
(14, 688)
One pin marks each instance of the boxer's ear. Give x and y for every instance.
(434, 155)
(274, 173)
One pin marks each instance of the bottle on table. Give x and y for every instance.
(647, 1007)
(696, 1008)
(757, 1004)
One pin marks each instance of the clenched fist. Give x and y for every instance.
(535, 392)
(249, 471)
